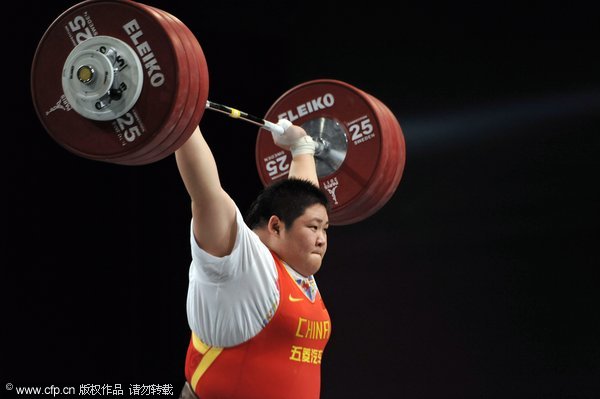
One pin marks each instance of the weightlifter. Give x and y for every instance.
(258, 324)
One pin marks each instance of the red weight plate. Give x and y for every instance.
(383, 186)
(171, 129)
(110, 140)
(199, 70)
(352, 108)
(189, 87)
(359, 208)
(203, 89)
(397, 156)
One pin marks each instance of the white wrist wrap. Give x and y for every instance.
(304, 145)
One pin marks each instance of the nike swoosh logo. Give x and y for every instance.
(292, 299)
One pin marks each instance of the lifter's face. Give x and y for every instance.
(303, 244)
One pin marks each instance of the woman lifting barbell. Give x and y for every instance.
(259, 325)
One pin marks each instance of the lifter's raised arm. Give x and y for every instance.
(213, 210)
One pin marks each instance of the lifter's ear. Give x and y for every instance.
(274, 225)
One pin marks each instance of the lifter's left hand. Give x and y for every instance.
(291, 134)
(301, 145)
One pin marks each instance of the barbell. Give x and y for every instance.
(126, 83)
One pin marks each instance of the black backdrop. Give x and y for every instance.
(477, 279)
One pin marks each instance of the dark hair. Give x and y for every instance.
(287, 199)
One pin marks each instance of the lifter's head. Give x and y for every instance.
(290, 217)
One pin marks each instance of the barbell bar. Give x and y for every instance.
(126, 83)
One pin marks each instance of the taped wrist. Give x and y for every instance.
(304, 145)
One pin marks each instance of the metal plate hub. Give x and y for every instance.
(332, 144)
(102, 78)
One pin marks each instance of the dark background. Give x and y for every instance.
(478, 278)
